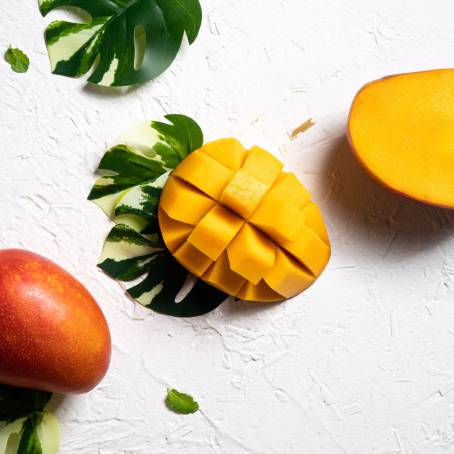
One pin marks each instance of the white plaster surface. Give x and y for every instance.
(361, 363)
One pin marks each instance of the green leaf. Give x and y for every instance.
(17, 59)
(30, 442)
(26, 433)
(26, 428)
(17, 403)
(181, 403)
(165, 279)
(183, 135)
(108, 42)
(143, 163)
(134, 174)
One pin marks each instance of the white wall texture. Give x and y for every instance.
(361, 363)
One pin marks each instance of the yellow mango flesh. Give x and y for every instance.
(283, 224)
(262, 165)
(228, 152)
(288, 277)
(243, 193)
(251, 254)
(310, 250)
(221, 276)
(175, 232)
(215, 231)
(198, 169)
(312, 218)
(192, 259)
(259, 292)
(182, 203)
(402, 130)
(261, 239)
(287, 187)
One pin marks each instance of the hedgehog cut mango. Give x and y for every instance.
(232, 217)
(401, 129)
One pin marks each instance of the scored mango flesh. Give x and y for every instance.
(401, 129)
(232, 217)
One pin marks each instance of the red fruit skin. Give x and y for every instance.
(53, 335)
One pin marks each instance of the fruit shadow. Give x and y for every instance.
(232, 309)
(362, 212)
(57, 401)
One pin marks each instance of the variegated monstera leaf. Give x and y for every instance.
(133, 174)
(25, 427)
(127, 41)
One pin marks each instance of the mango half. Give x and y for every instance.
(401, 129)
(232, 217)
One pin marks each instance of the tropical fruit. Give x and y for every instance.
(232, 217)
(401, 129)
(53, 335)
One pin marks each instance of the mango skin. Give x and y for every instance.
(53, 335)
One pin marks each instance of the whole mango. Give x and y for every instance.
(53, 335)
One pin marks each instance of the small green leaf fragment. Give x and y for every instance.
(30, 442)
(18, 61)
(181, 403)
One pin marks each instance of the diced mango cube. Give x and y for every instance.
(314, 220)
(183, 203)
(243, 193)
(229, 152)
(310, 250)
(173, 232)
(215, 231)
(251, 254)
(288, 277)
(278, 218)
(262, 165)
(287, 187)
(205, 173)
(192, 259)
(259, 292)
(222, 277)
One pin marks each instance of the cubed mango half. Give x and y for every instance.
(233, 218)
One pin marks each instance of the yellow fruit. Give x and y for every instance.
(401, 130)
(215, 231)
(233, 218)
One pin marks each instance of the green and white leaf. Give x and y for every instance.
(181, 403)
(18, 61)
(25, 427)
(142, 161)
(39, 433)
(133, 176)
(126, 42)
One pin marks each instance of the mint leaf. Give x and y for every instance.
(181, 403)
(17, 59)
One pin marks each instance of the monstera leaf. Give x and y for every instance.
(127, 41)
(133, 174)
(25, 428)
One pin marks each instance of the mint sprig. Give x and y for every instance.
(181, 403)
(17, 59)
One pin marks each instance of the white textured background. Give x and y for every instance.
(364, 361)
